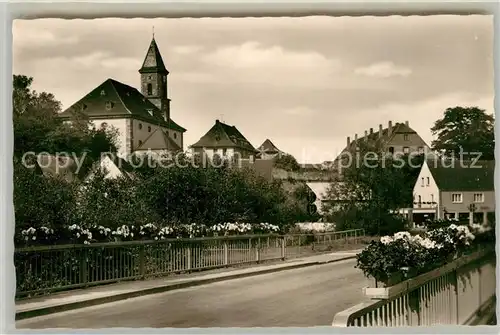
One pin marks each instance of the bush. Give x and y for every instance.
(394, 255)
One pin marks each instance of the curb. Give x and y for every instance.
(160, 289)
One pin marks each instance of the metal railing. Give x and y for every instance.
(458, 293)
(45, 269)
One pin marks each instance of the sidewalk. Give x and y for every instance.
(97, 295)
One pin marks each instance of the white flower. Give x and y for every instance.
(402, 235)
(386, 239)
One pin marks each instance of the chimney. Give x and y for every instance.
(390, 128)
(380, 130)
(217, 121)
(366, 135)
(355, 137)
(371, 131)
(407, 123)
(348, 140)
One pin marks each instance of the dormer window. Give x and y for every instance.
(109, 105)
(103, 92)
(150, 111)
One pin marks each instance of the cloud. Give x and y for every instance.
(186, 49)
(383, 70)
(252, 62)
(30, 36)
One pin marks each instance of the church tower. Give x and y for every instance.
(154, 80)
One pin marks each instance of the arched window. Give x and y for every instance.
(150, 89)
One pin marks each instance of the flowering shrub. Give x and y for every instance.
(319, 227)
(98, 233)
(398, 255)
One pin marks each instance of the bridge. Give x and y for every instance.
(321, 288)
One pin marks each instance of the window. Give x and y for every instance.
(150, 89)
(406, 150)
(167, 132)
(150, 111)
(405, 136)
(109, 105)
(456, 197)
(391, 150)
(164, 79)
(149, 129)
(423, 181)
(419, 199)
(432, 198)
(150, 77)
(175, 135)
(140, 126)
(428, 181)
(478, 197)
(103, 92)
(84, 107)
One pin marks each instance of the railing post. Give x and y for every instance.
(83, 266)
(142, 261)
(283, 248)
(454, 297)
(226, 253)
(355, 236)
(257, 250)
(189, 258)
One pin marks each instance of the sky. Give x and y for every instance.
(304, 83)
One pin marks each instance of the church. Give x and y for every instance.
(143, 119)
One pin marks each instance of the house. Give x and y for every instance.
(321, 191)
(262, 167)
(139, 117)
(399, 138)
(113, 167)
(268, 150)
(225, 141)
(52, 166)
(462, 190)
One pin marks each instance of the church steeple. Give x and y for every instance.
(154, 79)
(153, 61)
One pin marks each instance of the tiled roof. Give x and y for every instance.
(268, 147)
(159, 140)
(153, 63)
(222, 135)
(463, 176)
(376, 139)
(125, 100)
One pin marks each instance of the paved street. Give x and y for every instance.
(302, 297)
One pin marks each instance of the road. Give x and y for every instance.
(294, 298)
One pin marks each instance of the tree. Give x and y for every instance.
(466, 129)
(286, 162)
(369, 192)
(38, 128)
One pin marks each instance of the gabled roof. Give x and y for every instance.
(126, 169)
(222, 135)
(153, 63)
(268, 147)
(462, 176)
(159, 140)
(125, 100)
(54, 166)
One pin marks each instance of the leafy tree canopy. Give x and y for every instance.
(467, 129)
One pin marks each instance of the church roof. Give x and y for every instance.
(268, 147)
(113, 99)
(222, 135)
(153, 62)
(159, 140)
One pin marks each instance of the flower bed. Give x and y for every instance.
(396, 258)
(76, 234)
